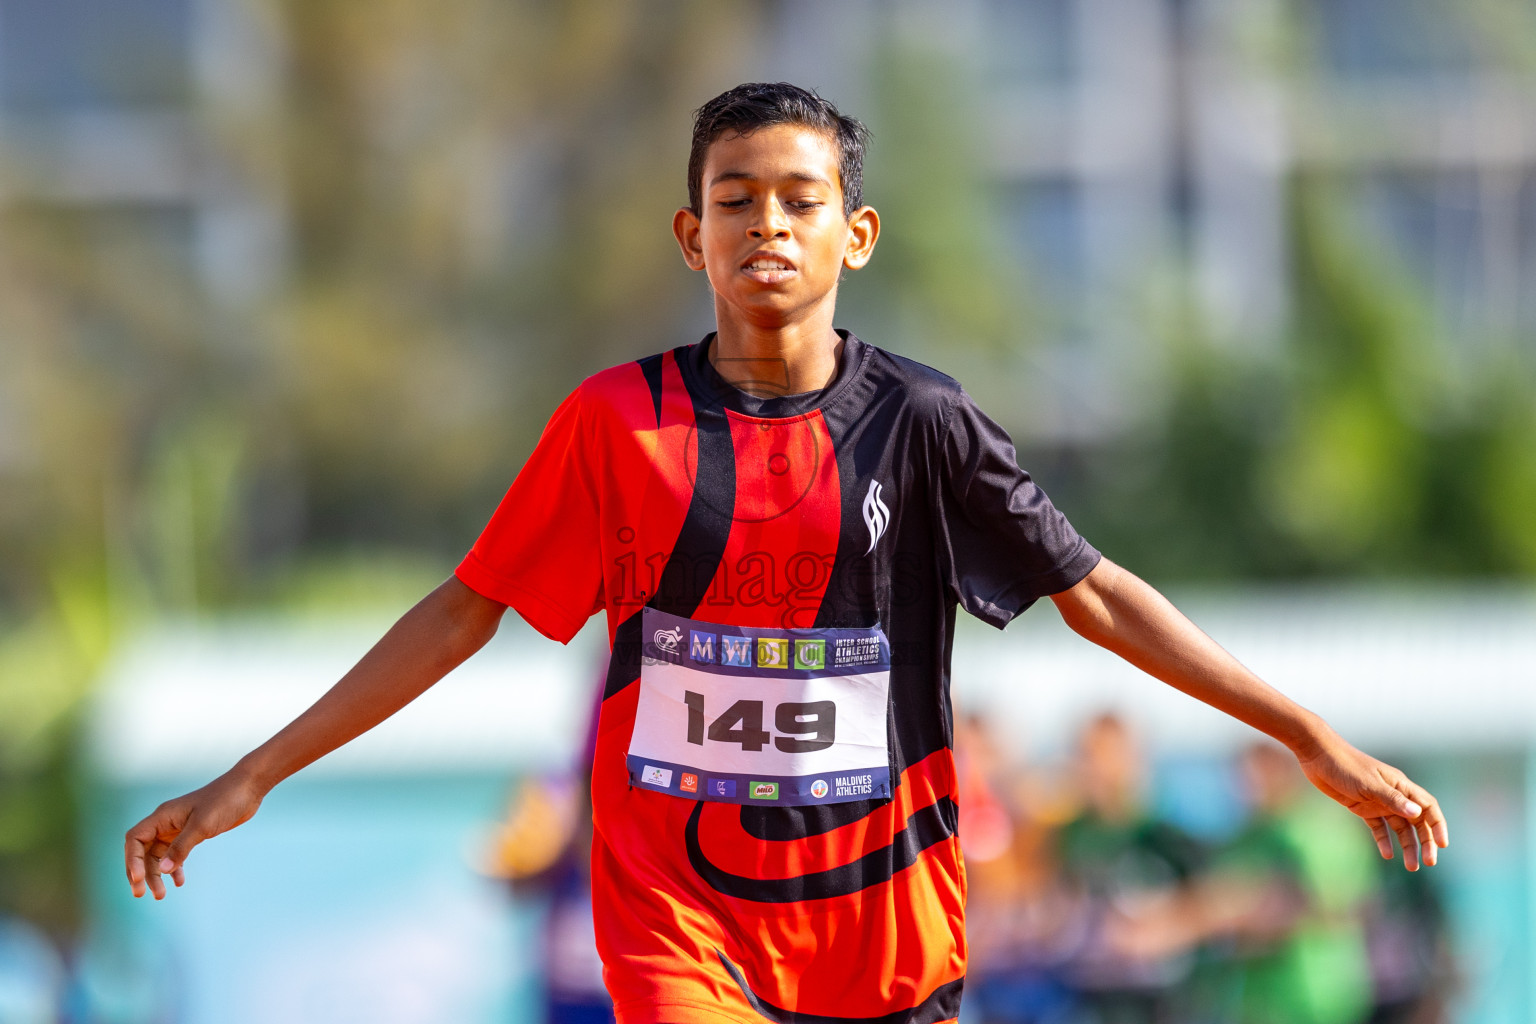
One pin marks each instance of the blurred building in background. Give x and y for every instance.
(289, 287)
(1134, 137)
(106, 114)
(322, 269)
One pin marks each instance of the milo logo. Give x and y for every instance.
(765, 791)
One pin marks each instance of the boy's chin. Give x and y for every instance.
(770, 307)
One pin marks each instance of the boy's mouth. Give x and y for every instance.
(768, 267)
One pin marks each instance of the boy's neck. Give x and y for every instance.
(781, 359)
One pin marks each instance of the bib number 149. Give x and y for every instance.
(806, 726)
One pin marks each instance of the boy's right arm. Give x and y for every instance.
(429, 641)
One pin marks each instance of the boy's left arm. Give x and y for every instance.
(1120, 612)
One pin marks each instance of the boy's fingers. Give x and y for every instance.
(137, 854)
(1391, 794)
(176, 854)
(1426, 841)
(1438, 827)
(143, 847)
(1407, 840)
(152, 877)
(1430, 822)
(1383, 837)
(154, 867)
(1415, 792)
(1433, 816)
(133, 862)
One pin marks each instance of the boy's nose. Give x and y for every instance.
(774, 223)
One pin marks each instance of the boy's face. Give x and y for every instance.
(771, 234)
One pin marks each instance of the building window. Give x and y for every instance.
(59, 55)
(1046, 235)
(1468, 237)
(1031, 41)
(1393, 38)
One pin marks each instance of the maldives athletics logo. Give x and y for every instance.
(819, 788)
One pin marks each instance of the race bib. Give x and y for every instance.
(761, 716)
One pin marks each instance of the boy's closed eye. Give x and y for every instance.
(803, 205)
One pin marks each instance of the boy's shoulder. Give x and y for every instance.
(915, 391)
(924, 383)
(621, 379)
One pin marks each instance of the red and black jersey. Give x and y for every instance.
(886, 498)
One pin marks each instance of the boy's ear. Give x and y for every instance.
(685, 225)
(863, 231)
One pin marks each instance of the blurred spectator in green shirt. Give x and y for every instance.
(1290, 893)
(1132, 872)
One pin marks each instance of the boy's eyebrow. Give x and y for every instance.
(805, 176)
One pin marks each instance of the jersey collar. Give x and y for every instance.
(694, 361)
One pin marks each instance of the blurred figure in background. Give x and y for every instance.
(31, 974)
(1084, 907)
(1290, 894)
(1413, 965)
(544, 848)
(1022, 925)
(1132, 873)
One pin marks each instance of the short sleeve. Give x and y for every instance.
(1002, 544)
(539, 552)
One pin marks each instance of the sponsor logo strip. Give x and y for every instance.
(738, 650)
(697, 784)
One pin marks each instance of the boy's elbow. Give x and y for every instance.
(468, 638)
(467, 620)
(478, 624)
(1085, 606)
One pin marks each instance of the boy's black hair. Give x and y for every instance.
(753, 105)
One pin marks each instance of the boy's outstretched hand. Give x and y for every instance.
(444, 628)
(1388, 800)
(158, 845)
(1121, 613)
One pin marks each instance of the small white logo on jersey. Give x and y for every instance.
(668, 639)
(653, 776)
(876, 516)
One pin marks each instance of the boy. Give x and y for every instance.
(779, 522)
